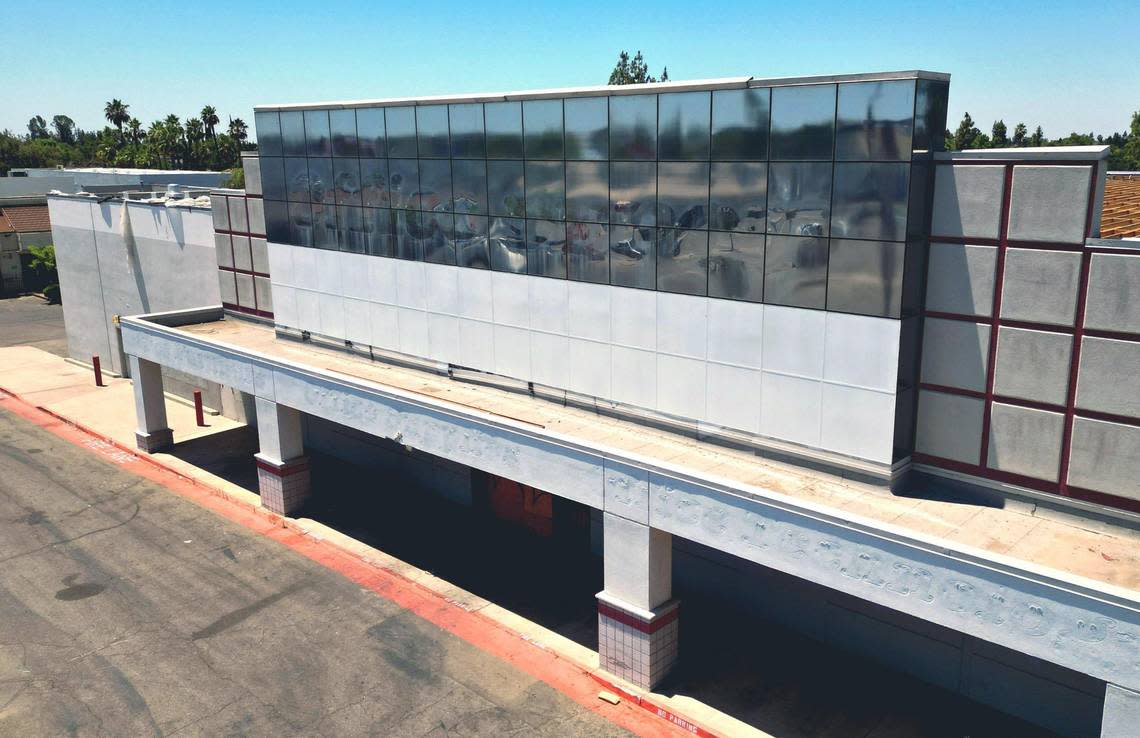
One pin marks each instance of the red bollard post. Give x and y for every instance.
(98, 371)
(198, 414)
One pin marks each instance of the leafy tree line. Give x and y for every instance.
(1124, 148)
(170, 143)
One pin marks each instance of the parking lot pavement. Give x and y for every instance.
(29, 321)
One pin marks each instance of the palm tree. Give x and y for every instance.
(116, 112)
(239, 131)
(134, 126)
(209, 119)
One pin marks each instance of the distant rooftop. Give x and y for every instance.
(42, 171)
(1120, 215)
(24, 219)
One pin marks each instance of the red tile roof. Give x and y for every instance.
(25, 218)
(1120, 215)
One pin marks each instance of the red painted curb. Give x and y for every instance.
(646, 704)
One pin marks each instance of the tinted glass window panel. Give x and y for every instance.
(740, 124)
(317, 133)
(545, 190)
(346, 177)
(865, 277)
(870, 201)
(875, 120)
(505, 188)
(435, 185)
(293, 133)
(401, 128)
(273, 178)
(682, 261)
(469, 179)
(587, 128)
(633, 256)
(277, 222)
(633, 127)
(321, 188)
(683, 194)
(297, 179)
(633, 193)
(799, 198)
(374, 182)
(300, 224)
(439, 238)
(370, 132)
(504, 130)
(471, 241)
(803, 122)
(588, 252)
(587, 190)
(542, 124)
(736, 266)
(739, 197)
(379, 236)
(683, 125)
(467, 131)
(921, 182)
(431, 127)
(267, 127)
(546, 248)
(930, 115)
(409, 233)
(404, 183)
(795, 271)
(324, 226)
(343, 126)
(350, 230)
(507, 242)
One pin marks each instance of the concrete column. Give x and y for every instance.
(637, 617)
(153, 433)
(1121, 713)
(282, 467)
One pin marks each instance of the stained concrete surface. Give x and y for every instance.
(127, 610)
(29, 321)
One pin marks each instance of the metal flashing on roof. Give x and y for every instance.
(1051, 153)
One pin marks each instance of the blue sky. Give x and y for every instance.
(1063, 65)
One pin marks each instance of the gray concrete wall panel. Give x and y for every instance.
(627, 491)
(1094, 441)
(955, 353)
(1109, 377)
(1040, 286)
(949, 426)
(1121, 717)
(1049, 203)
(967, 201)
(1025, 441)
(961, 278)
(1114, 293)
(1033, 365)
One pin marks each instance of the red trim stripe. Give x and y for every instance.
(288, 469)
(999, 280)
(635, 622)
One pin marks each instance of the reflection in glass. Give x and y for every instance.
(379, 238)
(408, 242)
(865, 277)
(435, 185)
(504, 130)
(633, 127)
(346, 178)
(293, 133)
(587, 190)
(795, 271)
(374, 182)
(272, 178)
(740, 123)
(546, 248)
(803, 122)
(317, 133)
(542, 124)
(545, 190)
(300, 224)
(870, 201)
(401, 128)
(469, 178)
(507, 242)
(587, 128)
(683, 127)
(277, 222)
(321, 181)
(431, 128)
(799, 198)
(505, 188)
(921, 181)
(682, 261)
(736, 266)
(874, 120)
(297, 179)
(739, 196)
(267, 128)
(633, 192)
(439, 238)
(471, 241)
(404, 183)
(930, 115)
(588, 250)
(467, 131)
(343, 126)
(683, 194)
(370, 132)
(350, 229)
(633, 257)
(324, 225)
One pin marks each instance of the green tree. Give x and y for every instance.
(998, 135)
(209, 120)
(1019, 134)
(64, 129)
(1038, 137)
(966, 134)
(633, 71)
(116, 112)
(135, 132)
(37, 127)
(238, 130)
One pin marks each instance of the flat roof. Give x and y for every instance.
(722, 83)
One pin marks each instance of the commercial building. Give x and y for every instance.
(734, 315)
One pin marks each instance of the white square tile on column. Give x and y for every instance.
(862, 351)
(733, 397)
(858, 422)
(790, 408)
(512, 352)
(354, 275)
(332, 315)
(442, 284)
(633, 318)
(736, 332)
(383, 325)
(588, 313)
(413, 331)
(548, 359)
(382, 279)
(411, 284)
(681, 386)
(633, 376)
(474, 286)
(510, 295)
(548, 305)
(682, 325)
(590, 368)
(794, 340)
(476, 344)
(443, 337)
(356, 321)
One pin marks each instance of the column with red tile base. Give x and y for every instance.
(282, 467)
(153, 432)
